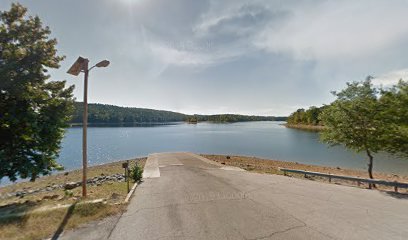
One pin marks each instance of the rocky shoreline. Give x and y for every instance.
(95, 181)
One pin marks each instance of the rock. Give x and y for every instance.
(29, 202)
(48, 197)
(20, 194)
(70, 185)
(223, 163)
(55, 196)
(228, 157)
(66, 173)
(115, 196)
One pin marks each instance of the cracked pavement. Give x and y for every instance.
(192, 198)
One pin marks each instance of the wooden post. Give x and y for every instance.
(127, 170)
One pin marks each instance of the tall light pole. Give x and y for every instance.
(81, 65)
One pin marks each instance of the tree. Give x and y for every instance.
(33, 110)
(394, 105)
(354, 120)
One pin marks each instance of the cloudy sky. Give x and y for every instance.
(251, 57)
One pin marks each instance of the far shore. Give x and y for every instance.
(305, 127)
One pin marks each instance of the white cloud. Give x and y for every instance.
(391, 78)
(334, 29)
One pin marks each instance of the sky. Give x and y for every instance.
(260, 57)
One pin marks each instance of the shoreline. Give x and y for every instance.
(316, 128)
(249, 163)
(270, 166)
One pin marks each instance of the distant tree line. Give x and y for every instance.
(103, 113)
(232, 118)
(307, 117)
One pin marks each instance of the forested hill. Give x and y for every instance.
(102, 113)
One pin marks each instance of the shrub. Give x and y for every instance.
(136, 173)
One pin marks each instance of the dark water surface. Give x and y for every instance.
(261, 139)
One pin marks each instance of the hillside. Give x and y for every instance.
(103, 113)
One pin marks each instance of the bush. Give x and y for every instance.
(136, 173)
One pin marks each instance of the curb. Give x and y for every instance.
(130, 193)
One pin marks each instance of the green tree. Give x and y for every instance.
(33, 110)
(354, 120)
(394, 105)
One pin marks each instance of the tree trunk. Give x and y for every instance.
(370, 167)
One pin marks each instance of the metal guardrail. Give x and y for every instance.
(394, 184)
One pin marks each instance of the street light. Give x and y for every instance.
(81, 65)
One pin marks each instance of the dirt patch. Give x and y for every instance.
(272, 167)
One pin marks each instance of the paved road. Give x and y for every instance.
(185, 196)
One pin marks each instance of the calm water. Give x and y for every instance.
(261, 139)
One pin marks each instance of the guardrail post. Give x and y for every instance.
(370, 182)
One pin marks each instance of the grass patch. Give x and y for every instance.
(40, 225)
(46, 224)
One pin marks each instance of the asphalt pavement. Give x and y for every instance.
(185, 196)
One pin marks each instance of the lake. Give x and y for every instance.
(268, 140)
(261, 139)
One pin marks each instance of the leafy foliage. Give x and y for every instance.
(136, 173)
(394, 105)
(229, 118)
(33, 111)
(354, 119)
(102, 113)
(361, 120)
(308, 117)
